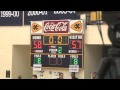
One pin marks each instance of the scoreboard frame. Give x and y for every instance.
(51, 49)
(56, 53)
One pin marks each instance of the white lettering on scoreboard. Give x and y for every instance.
(37, 55)
(73, 68)
(53, 50)
(40, 51)
(73, 56)
(73, 51)
(37, 67)
(60, 26)
(61, 56)
(36, 37)
(75, 36)
(52, 56)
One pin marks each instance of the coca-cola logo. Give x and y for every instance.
(56, 26)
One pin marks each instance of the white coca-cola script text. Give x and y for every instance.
(52, 27)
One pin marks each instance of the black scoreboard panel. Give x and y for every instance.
(57, 50)
(57, 60)
(61, 44)
(61, 49)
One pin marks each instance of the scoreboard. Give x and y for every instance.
(57, 43)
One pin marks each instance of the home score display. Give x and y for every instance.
(57, 43)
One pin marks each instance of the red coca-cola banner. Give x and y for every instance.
(56, 26)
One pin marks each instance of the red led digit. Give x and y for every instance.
(80, 45)
(37, 44)
(73, 44)
(59, 61)
(52, 61)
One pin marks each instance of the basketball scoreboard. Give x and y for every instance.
(57, 43)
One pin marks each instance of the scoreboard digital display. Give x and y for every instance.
(57, 60)
(55, 40)
(66, 45)
(57, 49)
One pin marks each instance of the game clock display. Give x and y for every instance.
(55, 40)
